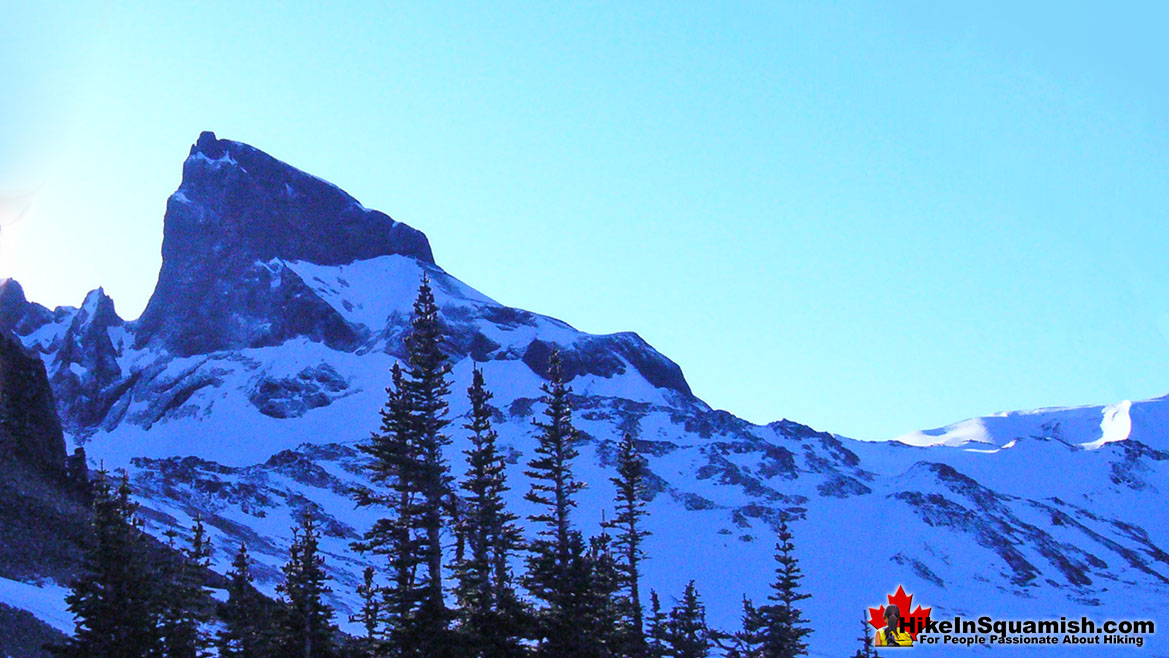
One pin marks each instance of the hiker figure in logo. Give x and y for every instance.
(892, 635)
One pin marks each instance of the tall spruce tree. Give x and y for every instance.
(426, 388)
(246, 631)
(414, 483)
(688, 635)
(305, 627)
(629, 526)
(394, 471)
(553, 489)
(114, 600)
(778, 629)
(491, 624)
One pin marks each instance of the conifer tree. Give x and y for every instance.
(778, 629)
(553, 489)
(581, 621)
(631, 492)
(306, 627)
(426, 389)
(186, 608)
(369, 616)
(395, 473)
(866, 640)
(748, 640)
(688, 635)
(414, 483)
(245, 632)
(600, 615)
(114, 601)
(657, 630)
(491, 611)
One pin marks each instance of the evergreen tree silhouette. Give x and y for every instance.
(688, 635)
(246, 631)
(600, 617)
(369, 616)
(866, 640)
(778, 629)
(306, 627)
(186, 608)
(631, 493)
(553, 489)
(426, 388)
(114, 601)
(394, 471)
(492, 616)
(657, 630)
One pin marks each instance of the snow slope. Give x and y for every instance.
(1045, 513)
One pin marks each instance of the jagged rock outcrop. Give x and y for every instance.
(86, 363)
(29, 429)
(44, 516)
(17, 314)
(606, 356)
(237, 209)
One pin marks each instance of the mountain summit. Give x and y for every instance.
(237, 210)
(240, 397)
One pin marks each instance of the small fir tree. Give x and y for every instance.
(114, 601)
(246, 626)
(553, 489)
(394, 471)
(866, 640)
(688, 635)
(306, 627)
(778, 629)
(186, 608)
(657, 630)
(491, 614)
(629, 525)
(602, 608)
(369, 616)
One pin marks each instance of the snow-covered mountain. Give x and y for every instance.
(262, 358)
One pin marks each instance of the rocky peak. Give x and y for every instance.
(17, 314)
(237, 208)
(12, 303)
(236, 198)
(87, 343)
(29, 428)
(97, 311)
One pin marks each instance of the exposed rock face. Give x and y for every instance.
(291, 397)
(43, 514)
(606, 356)
(238, 207)
(87, 361)
(29, 428)
(17, 314)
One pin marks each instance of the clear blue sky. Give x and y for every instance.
(868, 217)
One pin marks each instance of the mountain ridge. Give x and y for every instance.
(246, 407)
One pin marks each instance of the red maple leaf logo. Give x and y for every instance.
(915, 620)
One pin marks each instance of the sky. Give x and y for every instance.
(870, 217)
